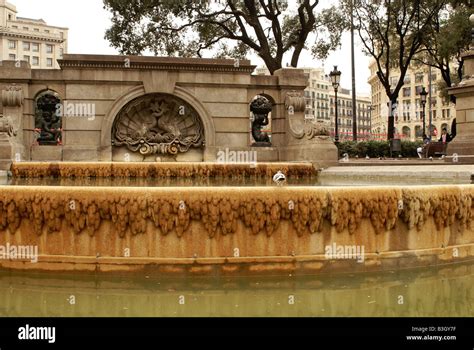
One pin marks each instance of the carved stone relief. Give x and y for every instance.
(158, 124)
(295, 102)
(12, 96)
(6, 126)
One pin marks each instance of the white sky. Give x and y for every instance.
(87, 22)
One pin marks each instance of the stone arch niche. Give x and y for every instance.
(48, 121)
(158, 127)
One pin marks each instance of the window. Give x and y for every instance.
(26, 28)
(406, 92)
(49, 62)
(49, 48)
(61, 52)
(407, 80)
(12, 57)
(10, 17)
(36, 30)
(26, 46)
(419, 77)
(35, 47)
(46, 31)
(15, 27)
(418, 89)
(26, 58)
(11, 44)
(406, 105)
(35, 61)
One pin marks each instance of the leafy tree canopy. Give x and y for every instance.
(225, 28)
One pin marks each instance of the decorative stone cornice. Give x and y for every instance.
(30, 36)
(155, 63)
(12, 96)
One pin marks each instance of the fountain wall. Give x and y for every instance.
(152, 109)
(223, 230)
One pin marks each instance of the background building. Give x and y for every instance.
(344, 99)
(320, 103)
(317, 95)
(30, 40)
(408, 115)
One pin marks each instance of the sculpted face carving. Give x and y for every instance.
(158, 123)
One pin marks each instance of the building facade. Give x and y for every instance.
(317, 95)
(409, 111)
(30, 40)
(345, 119)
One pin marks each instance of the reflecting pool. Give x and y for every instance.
(439, 292)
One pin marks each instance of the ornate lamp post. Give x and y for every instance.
(336, 80)
(423, 95)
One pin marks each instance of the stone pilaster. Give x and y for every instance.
(11, 131)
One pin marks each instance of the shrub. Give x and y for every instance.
(376, 149)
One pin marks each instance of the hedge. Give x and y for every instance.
(376, 149)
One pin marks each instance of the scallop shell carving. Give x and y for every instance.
(158, 123)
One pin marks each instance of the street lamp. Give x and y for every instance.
(423, 95)
(336, 80)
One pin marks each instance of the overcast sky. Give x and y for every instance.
(87, 22)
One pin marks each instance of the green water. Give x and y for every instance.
(439, 292)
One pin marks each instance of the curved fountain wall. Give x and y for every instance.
(224, 230)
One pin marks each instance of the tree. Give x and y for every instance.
(449, 37)
(393, 32)
(228, 28)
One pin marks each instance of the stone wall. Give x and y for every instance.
(236, 230)
(219, 91)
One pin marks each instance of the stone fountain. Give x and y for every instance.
(169, 118)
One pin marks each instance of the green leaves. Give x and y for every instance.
(225, 28)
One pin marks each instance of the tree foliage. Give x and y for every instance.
(225, 28)
(448, 37)
(393, 32)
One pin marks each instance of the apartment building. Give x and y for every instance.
(409, 111)
(345, 119)
(320, 105)
(31, 40)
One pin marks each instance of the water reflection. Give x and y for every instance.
(439, 292)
